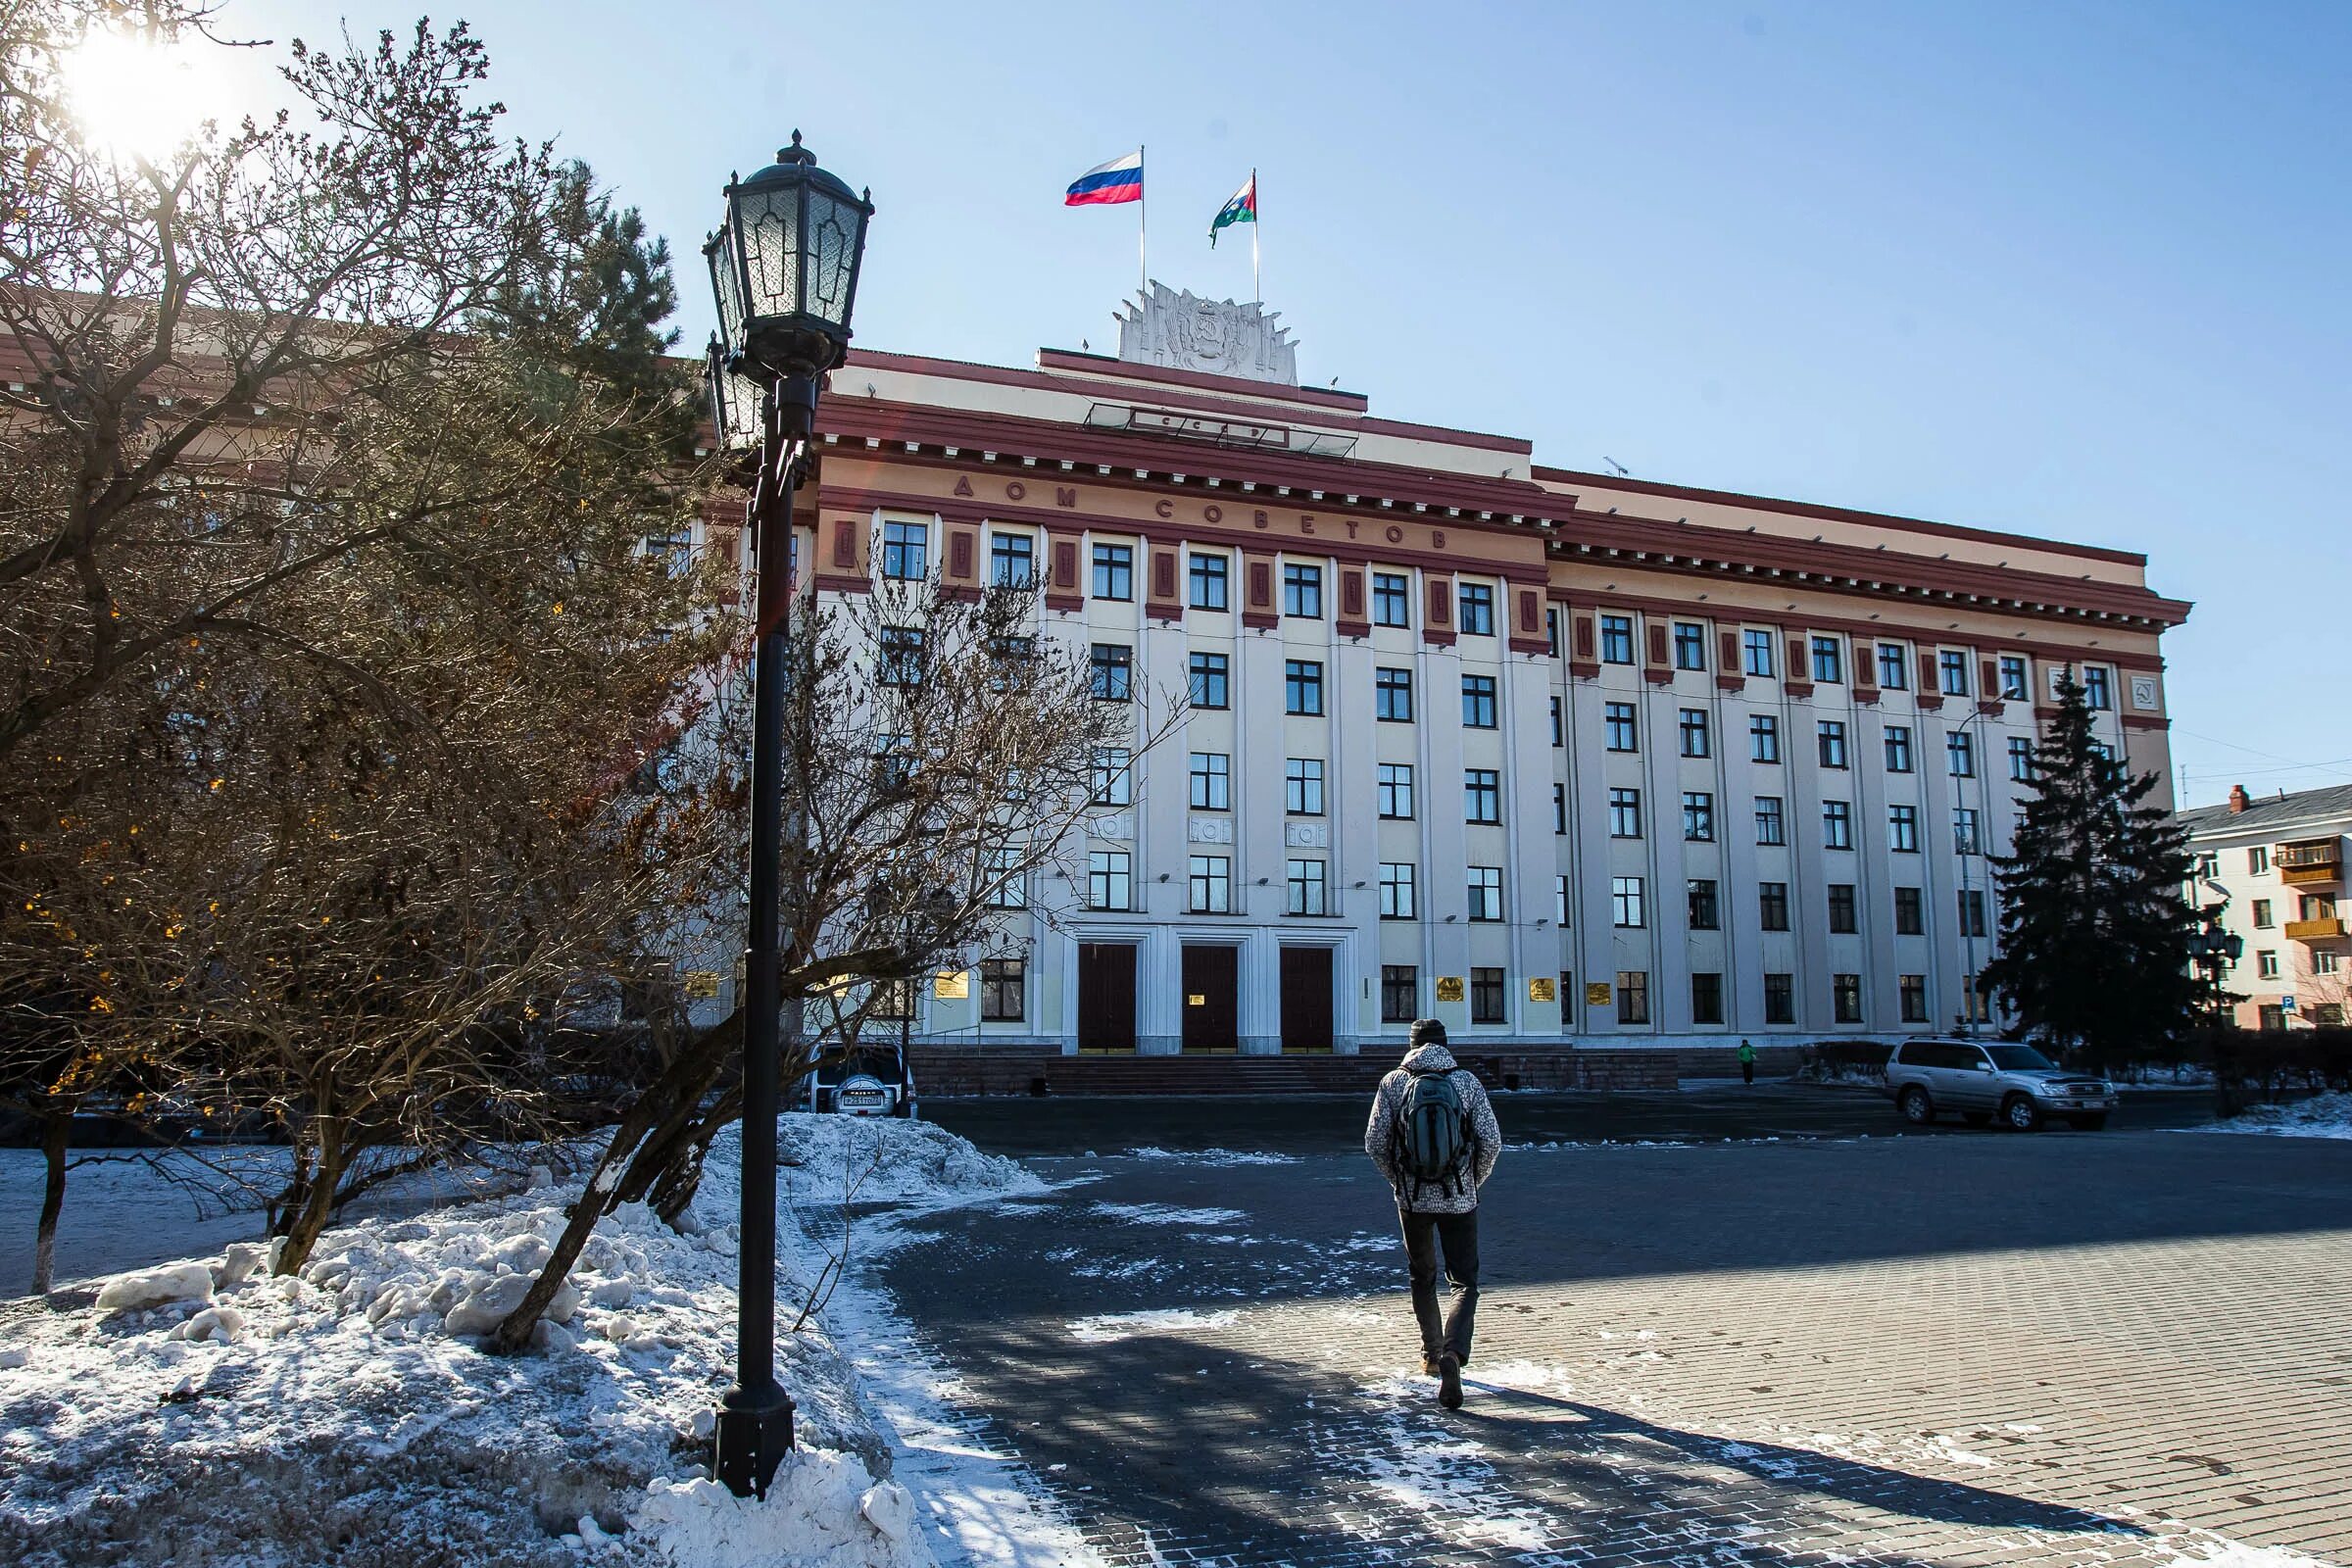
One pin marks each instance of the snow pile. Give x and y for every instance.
(1167, 1215)
(2319, 1116)
(1105, 1327)
(218, 1413)
(1211, 1156)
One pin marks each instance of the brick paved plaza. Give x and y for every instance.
(2123, 1348)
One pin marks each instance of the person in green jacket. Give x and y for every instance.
(1748, 1062)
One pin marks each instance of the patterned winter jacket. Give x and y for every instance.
(1381, 1132)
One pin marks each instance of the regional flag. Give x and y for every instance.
(1119, 181)
(1242, 209)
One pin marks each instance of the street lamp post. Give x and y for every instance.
(784, 267)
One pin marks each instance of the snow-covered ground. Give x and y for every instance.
(2319, 1116)
(209, 1413)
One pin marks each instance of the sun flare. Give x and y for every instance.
(136, 97)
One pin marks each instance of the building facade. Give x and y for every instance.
(2275, 868)
(1554, 757)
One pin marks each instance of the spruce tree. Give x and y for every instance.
(2094, 931)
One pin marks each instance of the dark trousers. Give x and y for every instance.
(1456, 1237)
(1748, 1072)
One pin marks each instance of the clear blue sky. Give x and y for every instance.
(2073, 270)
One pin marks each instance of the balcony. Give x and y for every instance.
(2327, 929)
(2309, 860)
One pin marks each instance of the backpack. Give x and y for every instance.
(1432, 1134)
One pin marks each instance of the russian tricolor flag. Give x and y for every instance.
(1119, 181)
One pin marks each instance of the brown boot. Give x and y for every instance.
(1429, 1365)
(1449, 1381)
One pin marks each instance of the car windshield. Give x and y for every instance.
(2017, 1059)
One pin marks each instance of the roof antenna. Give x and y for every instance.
(1616, 466)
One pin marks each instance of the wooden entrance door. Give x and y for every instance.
(1106, 995)
(1212, 999)
(1305, 999)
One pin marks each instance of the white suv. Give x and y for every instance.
(1981, 1080)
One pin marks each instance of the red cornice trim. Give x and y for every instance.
(1800, 509)
(2145, 722)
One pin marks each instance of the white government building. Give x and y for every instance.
(1562, 758)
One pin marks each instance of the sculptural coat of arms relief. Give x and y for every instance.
(1183, 331)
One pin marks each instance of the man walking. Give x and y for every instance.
(1433, 1136)
(1748, 1062)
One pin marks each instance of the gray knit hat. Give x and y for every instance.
(1426, 1032)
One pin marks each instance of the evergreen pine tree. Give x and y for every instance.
(2094, 931)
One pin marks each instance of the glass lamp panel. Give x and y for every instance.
(726, 286)
(832, 256)
(770, 222)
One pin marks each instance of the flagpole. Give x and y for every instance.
(1142, 225)
(1258, 218)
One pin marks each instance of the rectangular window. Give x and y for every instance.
(1893, 668)
(1400, 993)
(894, 1000)
(1392, 695)
(1559, 736)
(2095, 690)
(2015, 683)
(1772, 905)
(1625, 813)
(1908, 913)
(1965, 840)
(1209, 574)
(2258, 860)
(1111, 673)
(1396, 789)
(1391, 603)
(1008, 885)
(1485, 996)
(2021, 758)
(2266, 965)
(1559, 808)
(1115, 572)
(1833, 743)
(1212, 878)
(1560, 894)
(1913, 988)
(1477, 609)
(1303, 786)
(1699, 817)
(899, 656)
(1632, 995)
(1780, 998)
(1212, 781)
(1972, 912)
(1706, 907)
(1694, 732)
(1898, 748)
(1552, 630)
(1951, 664)
(1486, 892)
(1689, 645)
(1302, 686)
(1841, 908)
(905, 553)
(1770, 827)
(1625, 904)
(1011, 560)
(1003, 990)
(1706, 998)
(1619, 726)
(1829, 661)
(2325, 963)
(1616, 639)
(1756, 651)
(1763, 739)
(1303, 590)
(1478, 702)
(1210, 680)
(2263, 918)
(1397, 901)
(1960, 754)
(1115, 777)
(1109, 880)
(1306, 883)
(1837, 825)
(1902, 829)
(1846, 998)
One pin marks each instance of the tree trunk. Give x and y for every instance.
(680, 1172)
(309, 1221)
(57, 1126)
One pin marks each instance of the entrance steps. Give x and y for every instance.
(962, 1073)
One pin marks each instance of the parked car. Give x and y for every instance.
(1980, 1080)
(870, 1083)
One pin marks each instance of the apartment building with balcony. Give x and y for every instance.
(2276, 864)
(1559, 758)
